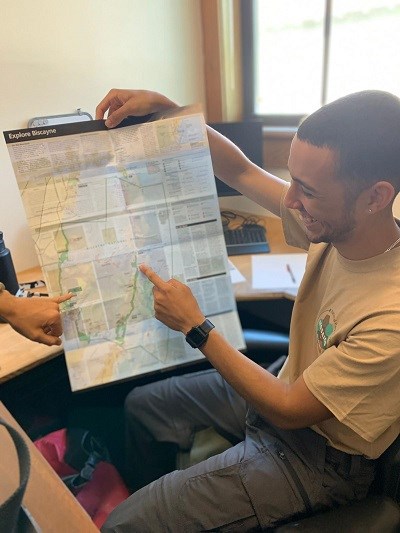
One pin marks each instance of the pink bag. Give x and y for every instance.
(83, 463)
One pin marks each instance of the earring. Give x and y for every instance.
(370, 211)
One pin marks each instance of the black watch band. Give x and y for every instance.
(198, 335)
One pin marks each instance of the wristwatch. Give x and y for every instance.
(198, 335)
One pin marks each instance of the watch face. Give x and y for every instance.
(196, 336)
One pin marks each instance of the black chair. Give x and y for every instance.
(265, 346)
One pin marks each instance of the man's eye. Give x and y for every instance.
(307, 194)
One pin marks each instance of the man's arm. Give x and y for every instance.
(234, 168)
(229, 162)
(287, 406)
(38, 319)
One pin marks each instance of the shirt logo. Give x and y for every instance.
(326, 325)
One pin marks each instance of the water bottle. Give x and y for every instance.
(7, 270)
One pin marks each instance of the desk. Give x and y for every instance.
(244, 291)
(48, 500)
(18, 354)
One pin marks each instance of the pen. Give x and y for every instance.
(31, 294)
(288, 268)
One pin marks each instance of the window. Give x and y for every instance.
(300, 54)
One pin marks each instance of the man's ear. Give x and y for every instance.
(379, 196)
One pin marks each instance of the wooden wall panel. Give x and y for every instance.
(212, 60)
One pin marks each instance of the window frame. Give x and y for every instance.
(247, 30)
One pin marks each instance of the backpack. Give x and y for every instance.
(83, 463)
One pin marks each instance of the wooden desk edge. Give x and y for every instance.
(7, 375)
(267, 295)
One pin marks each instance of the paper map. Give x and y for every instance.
(101, 202)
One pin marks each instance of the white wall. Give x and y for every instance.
(57, 56)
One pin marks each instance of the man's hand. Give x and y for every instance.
(122, 103)
(38, 319)
(174, 304)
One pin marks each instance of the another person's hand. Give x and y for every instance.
(38, 319)
(174, 304)
(122, 103)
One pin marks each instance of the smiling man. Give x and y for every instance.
(307, 440)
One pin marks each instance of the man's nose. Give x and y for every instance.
(292, 200)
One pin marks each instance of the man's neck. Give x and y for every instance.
(369, 242)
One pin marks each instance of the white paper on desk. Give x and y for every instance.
(271, 271)
(236, 275)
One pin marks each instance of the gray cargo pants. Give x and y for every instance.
(270, 476)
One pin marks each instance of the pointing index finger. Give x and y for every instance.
(63, 297)
(152, 276)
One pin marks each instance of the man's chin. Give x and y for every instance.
(317, 238)
(327, 239)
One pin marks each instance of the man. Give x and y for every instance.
(308, 439)
(38, 319)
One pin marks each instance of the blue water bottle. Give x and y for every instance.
(7, 270)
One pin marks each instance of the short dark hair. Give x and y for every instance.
(363, 129)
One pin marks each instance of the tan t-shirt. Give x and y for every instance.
(345, 341)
